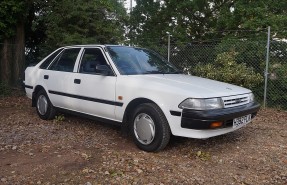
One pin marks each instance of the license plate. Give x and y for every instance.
(237, 122)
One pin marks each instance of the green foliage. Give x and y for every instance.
(252, 15)
(189, 55)
(151, 20)
(11, 12)
(69, 22)
(277, 81)
(193, 20)
(249, 51)
(277, 87)
(59, 118)
(204, 156)
(115, 173)
(89, 22)
(226, 69)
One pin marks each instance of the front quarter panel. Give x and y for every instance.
(131, 87)
(167, 97)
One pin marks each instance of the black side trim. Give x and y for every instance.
(103, 120)
(88, 98)
(29, 86)
(175, 113)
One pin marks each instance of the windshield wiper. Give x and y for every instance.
(153, 72)
(161, 72)
(175, 72)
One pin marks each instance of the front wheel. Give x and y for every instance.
(149, 128)
(44, 107)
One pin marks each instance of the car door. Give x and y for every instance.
(94, 92)
(58, 78)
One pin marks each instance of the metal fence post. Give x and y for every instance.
(168, 47)
(266, 68)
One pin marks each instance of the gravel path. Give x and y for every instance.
(81, 151)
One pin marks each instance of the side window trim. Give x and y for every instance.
(52, 61)
(56, 59)
(108, 60)
(104, 55)
(78, 60)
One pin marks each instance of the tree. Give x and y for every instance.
(197, 20)
(35, 30)
(84, 22)
(185, 20)
(35, 27)
(12, 25)
(252, 15)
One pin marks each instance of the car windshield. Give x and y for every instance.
(133, 61)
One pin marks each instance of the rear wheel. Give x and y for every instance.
(149, 128)
(44, 107)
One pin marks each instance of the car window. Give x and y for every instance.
(91, 58)
(47, 62)
(132, 61)
(66, 60)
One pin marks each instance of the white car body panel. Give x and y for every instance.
(92, 87)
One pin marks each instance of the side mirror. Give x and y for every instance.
(104, 70)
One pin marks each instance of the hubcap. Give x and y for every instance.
(42, 104)
(144, 128)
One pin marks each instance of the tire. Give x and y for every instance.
(149, 128)
(44, 107)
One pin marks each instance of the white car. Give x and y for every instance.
(139, 90)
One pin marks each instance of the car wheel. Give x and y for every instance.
(44, 107)
(149, 128)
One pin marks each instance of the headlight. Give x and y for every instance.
(201, 104)
(251, 97)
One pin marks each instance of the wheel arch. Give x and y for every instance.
(147, 138)
(37, 89)
(128, 111)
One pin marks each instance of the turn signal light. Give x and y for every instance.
(215, 124)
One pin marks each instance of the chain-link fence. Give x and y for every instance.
(237, 61)
(277, 75)
(240, 61)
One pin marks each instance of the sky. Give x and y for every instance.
(127, 4)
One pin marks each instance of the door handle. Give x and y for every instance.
(77, 81)
(46, 77)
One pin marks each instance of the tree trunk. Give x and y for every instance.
(4, 62)
(19, 50)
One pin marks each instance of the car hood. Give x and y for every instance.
(191, 86)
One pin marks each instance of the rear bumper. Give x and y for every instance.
(201, 120)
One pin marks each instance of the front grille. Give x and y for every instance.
(233, 101)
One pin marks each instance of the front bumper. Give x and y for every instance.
(202, 120)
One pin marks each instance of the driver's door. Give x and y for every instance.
(94, 92)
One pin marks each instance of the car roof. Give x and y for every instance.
(94, 45)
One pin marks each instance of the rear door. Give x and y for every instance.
(58, 78)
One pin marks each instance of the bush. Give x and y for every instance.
(226, 69)
(277, 86)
